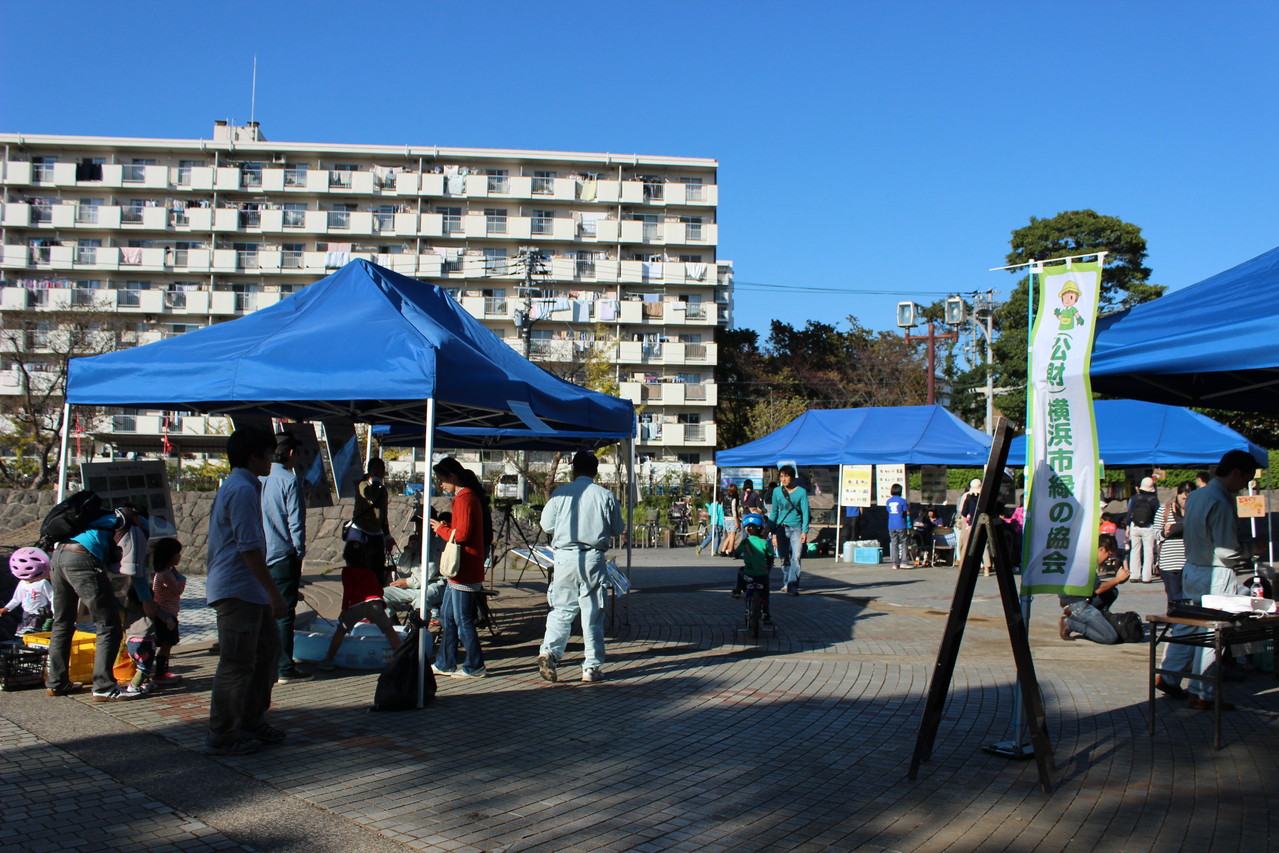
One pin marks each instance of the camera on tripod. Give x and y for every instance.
(507, 503)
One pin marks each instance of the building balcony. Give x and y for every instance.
(670, 393)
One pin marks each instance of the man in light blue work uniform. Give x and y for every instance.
(581, 517)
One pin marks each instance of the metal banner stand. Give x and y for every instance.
(965, 585)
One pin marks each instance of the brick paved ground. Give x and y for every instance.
(703, 740)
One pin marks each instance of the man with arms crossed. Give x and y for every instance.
(284, 524)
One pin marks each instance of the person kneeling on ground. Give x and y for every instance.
(757, 556)
(361, 599)
(1084, 616)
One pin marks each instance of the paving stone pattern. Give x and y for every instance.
(54, 802)
(702, 739)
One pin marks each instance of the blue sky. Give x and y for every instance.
(862, 146)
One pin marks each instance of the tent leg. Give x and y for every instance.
(62, 454)
(631, 495)
(423, 635)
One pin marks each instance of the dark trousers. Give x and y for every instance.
(79, 577)
(247, 664)
(287, 574)
(1172, 585)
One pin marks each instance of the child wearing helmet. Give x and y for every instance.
(757, 556)
(34, 593)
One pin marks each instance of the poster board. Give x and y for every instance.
(932, 484)
(885, 477)
(1251, 506)
(310, 465)
(144, 483)
(727, 476)
(821, 479)
(854, 485)
(345, 459)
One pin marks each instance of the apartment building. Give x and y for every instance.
(562, 255)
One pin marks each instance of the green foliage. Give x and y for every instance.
(1073, 232)
(818, 366)
(198, 476)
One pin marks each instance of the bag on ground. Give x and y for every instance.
(397, 685)
(1127, 626)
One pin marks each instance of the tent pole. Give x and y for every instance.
(629, 450)
(839, 511)
(423, 635)
(368, 450)
(62, 454)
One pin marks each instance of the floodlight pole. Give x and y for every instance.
(932, 338)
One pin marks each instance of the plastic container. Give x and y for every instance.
(868, 555)
(848, 552)
(364, 648)
(83, 647)
(21, 667)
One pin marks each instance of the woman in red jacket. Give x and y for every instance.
(472, 529)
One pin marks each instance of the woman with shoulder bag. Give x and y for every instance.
(469, 533)
(1169, 522)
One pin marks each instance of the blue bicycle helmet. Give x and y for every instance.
(753, 518)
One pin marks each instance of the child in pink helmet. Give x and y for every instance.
(34, 593)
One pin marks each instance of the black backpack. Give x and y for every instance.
(74, 515)
(1127, 626)
(397, 685)
(1143, 509)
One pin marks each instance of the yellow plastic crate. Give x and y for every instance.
(83, 648)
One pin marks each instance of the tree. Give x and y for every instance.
(38, 347)
(817, 366)
(1124, 282)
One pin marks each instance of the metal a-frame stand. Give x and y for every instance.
(944, 670)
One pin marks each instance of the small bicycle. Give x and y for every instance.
(753, 599)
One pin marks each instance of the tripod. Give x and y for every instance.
(502, 535)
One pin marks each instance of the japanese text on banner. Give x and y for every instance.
(1062, 488)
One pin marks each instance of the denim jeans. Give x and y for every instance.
(249, 640)
(714, 536)
(457, 622)
(79, 577)
(897, 547)
(578, 588)
(790, 548)
(401, 600)
(287, 574)
(1172, 585)
(1092, 623)
(1196, 582)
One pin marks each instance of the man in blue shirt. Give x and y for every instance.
(79, 574)
(247, 601)
(898, 526)
(789, 515)
(284, 525)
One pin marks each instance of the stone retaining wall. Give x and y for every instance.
(20, 508)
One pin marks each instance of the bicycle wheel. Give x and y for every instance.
(754, 615)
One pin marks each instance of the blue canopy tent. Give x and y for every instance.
(483, 438)
(1210, 344)
(914, 435)
(365, 344)
(1133, 432)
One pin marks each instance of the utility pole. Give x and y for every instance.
(534, 262)
(932, 338)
